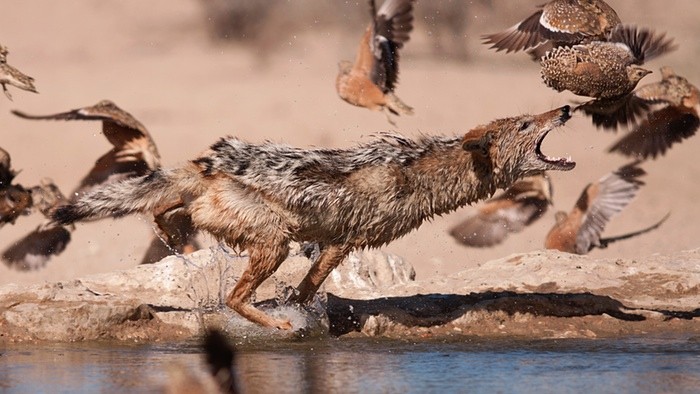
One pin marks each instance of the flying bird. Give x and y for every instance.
(580, 230)
(604, 69)
(673, 119)
(12, 76)
(49, 239)
(133, 154)
(558, 23)
(509, 212)
(371, 80)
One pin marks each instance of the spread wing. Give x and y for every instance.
(134, 152)
(610, 114)
(108, 169)
(510, 212)
(391, 28)
(120, 128)
(524, 35)
(644, 43)
(656, 134)
(35, 249)
(486, 229)
(604, 199)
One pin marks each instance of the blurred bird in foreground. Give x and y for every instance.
(673, 119)
(558, 23)
(604, 69)
(509, 212)
(580, 230)
(49, 239)
(12, 76)
(134, 153)
(371, 80)
(220, 357)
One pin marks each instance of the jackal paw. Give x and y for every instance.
(283, 325)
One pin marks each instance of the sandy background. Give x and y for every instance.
(156, 60)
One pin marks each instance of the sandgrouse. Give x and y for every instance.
(49, 239)
(509, 212)
(673, 119)
(371, 80)
(604, 69)
(580, 230)
(134, 153)
(558, 22)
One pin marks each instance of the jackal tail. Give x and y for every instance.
(135, 195)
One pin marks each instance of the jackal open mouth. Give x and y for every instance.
(559, 163)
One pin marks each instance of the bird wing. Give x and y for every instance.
(492, 224)
(604, 199)
(643, 43)
(119, 127)
(610, 114)
(109, 169)
(524, 35)
(391, 28)
(573, 21)
(15, 201)
(35, 249)
(658, 132)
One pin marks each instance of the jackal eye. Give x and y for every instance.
(524, 126)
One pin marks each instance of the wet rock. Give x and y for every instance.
(176, 297)
(534, 295)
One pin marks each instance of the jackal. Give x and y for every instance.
(259, 197)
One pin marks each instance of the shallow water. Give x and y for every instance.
(365, 365)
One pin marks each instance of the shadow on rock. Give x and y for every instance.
(347, 315)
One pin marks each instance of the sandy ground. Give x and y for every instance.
(155, 60)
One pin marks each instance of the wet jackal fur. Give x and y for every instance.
(259, 197)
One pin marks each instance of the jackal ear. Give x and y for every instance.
(478, 141)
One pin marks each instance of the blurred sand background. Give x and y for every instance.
(158, 60)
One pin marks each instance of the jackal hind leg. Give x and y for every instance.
(331, 257)
(264, 261)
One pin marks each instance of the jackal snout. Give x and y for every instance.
(558, 116)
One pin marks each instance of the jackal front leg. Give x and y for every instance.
(330, 258)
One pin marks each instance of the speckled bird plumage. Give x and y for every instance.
(558, 22)
(12, 76)
(604, 69)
